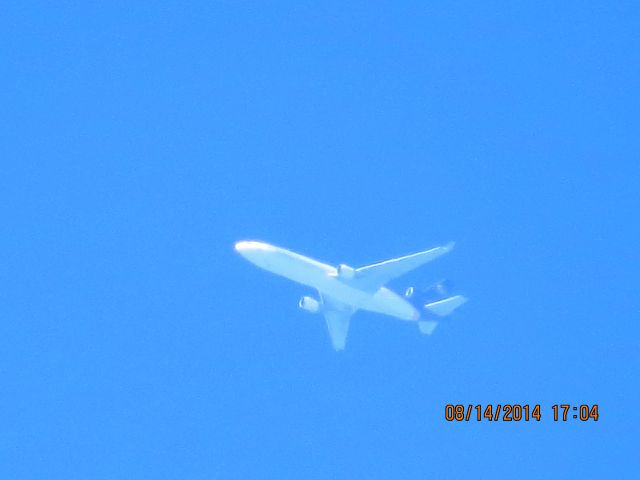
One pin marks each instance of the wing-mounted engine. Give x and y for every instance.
(346, 272)
(310, 304)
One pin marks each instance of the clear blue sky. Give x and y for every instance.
(140, 140)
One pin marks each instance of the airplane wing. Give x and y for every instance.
(374, 276)
(338, 325)
(337, 315)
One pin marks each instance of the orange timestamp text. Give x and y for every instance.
(518, 412)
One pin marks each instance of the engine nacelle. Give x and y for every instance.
(346, 272)
(309, 304)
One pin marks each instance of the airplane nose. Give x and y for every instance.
(258, 253)
(247, 246)
(247, 250)
(241, 246)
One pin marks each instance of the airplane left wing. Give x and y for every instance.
(374, 276)
(337, 315)
(338, 325)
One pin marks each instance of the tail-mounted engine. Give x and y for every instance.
(435, 292)
(435, 301)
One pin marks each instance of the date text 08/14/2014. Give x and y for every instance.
(519, 412)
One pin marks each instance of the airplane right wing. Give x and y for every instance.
(374, 276)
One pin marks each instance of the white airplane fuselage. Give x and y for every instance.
(325, 279)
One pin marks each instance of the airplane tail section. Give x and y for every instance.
(427, 326)
(446, 306)
(440, 308)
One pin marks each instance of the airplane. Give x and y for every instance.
(343, 290)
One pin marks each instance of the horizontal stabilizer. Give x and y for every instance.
(446, 306)
(427, 327)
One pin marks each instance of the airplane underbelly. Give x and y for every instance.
(383, 301)
(389, 303)
(302, 271)
(322, 277)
